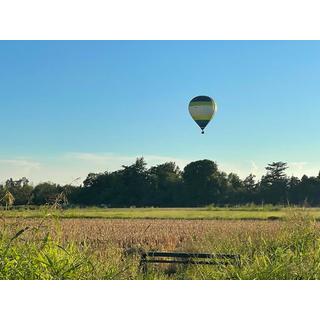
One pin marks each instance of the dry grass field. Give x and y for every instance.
(50, 247)
(149, 234)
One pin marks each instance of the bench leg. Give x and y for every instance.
(143, 266)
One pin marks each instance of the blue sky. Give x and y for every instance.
(69, 108)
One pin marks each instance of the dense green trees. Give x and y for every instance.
(20, 189)
(200, 183)
(165, 185)
(203, 183)
(45, 193)
(274, 185)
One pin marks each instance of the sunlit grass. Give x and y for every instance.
(259, 213)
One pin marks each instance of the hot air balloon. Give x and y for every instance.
(202, 110)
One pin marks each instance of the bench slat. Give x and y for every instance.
(190, 255)
(188, 259)
(213, 263)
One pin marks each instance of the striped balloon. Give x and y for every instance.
(202, 110)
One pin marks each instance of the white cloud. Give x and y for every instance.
(110, 162)
(22, 163)
(255, 169)
(66, 168)
(17, 168)
(300, 168)
(297, 165)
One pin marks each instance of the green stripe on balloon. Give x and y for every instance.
(202, 118)
(200, 103)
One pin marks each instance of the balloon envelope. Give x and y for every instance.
(202, 110)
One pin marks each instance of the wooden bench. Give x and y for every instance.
(188, 259)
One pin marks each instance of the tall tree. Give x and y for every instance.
(204, 183)
(274, 185)
(309, 191)
(166, 182)
(294, 190)
(46, 193)
(250, 189)
(235, 189)
(135, 183)
(20, 189)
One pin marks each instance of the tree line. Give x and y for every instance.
(200, 183)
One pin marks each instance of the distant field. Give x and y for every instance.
(245, 213)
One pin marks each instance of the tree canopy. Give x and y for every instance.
(200, 183)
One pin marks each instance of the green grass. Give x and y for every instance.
(209, 213)
(22, 259)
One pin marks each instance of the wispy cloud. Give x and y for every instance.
(67, 167)
(297, 165)
(17, 168)
(242, 168)
(114, 161)
(255, 170)
(20, 163)
(303, 168)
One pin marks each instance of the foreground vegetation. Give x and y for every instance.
(51, 248)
